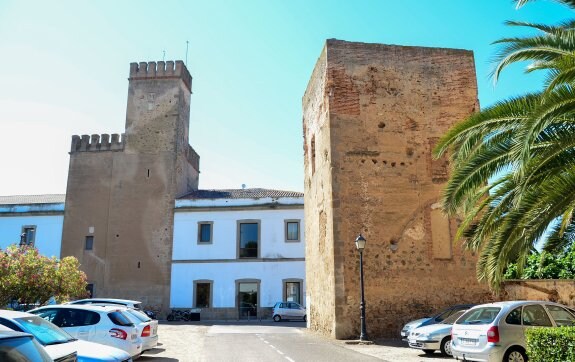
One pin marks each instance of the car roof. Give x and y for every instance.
(91, 307)
(514, 303)
(107, 300)
(13, 314)
(6, 334)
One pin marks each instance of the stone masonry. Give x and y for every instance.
(121, 191)
(372, 114)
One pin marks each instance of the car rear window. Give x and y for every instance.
(119, 319)
(139, 315)
(137, 306)
(481, 315)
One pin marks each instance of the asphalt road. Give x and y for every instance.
(266, 341)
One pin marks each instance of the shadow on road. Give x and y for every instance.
(292, 324)
(157, 359)
(398, 343)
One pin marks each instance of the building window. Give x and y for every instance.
(28, 236)
(89, 242)
(205, 230)
(248, 238)
(90, 290)
(203, 293)
(292, 230)
(293, 290)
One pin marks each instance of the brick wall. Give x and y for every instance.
(372, 114)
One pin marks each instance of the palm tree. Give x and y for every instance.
(513, 164)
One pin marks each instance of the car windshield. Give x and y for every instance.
(481, 315)
(452, 318)
(44, 331)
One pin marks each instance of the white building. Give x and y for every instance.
(235, 252)
(34, 219)
(238, 252)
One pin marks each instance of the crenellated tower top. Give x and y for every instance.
(161, 70)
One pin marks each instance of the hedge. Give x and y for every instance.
(551, 344)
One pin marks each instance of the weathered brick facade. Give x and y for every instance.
(371, 116)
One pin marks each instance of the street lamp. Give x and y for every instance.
(360, 245)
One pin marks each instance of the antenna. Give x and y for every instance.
(187, 43)
(163, 55)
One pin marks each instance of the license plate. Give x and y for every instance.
(467, 341)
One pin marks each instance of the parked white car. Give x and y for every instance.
(57, 342)
(434, 337)
(288, 310)
(95, 323)
(496, 331)
(147, 328)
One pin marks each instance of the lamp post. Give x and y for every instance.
(360, 245)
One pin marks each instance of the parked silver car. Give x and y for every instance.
(496, 332)
(434, 337)
(288, 310)
(436, 318)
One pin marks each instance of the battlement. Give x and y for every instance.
(161, 70)
(193, 158)
(96, 143)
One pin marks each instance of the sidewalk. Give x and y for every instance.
(394, 350)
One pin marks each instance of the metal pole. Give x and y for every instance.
(363, 335)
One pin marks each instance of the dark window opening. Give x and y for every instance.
(89, 242)
(202, 295)
(28, 236)
(249, 240)
(205, 233)
(90, 290)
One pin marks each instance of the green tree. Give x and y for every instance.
(29, 277)
(513, 164)
(544, 265)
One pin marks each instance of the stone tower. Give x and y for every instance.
(372, 114)
(120, 195)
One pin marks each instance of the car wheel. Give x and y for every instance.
(515, 355)
(277, 318)
(446, 346)
(305, 318)
(428, 351)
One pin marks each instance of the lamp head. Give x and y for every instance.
(360, 242)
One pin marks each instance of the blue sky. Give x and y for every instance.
(64, 68)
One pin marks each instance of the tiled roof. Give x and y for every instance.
(239, 194)
(32, 199)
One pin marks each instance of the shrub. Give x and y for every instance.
(551, 344)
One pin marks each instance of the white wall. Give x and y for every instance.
(224, 276)
(48, 232)
(224, 245)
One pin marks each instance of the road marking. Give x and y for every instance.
(266, 342)
(280, 352)
(289, 359)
